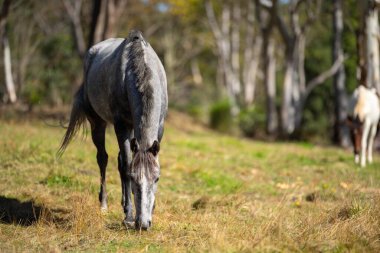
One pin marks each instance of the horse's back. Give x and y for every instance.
(366, 104)
(111, 87)
(159, 77)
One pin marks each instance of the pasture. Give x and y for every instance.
(216, 193)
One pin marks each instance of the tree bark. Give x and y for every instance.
(74, 10)
(8, 70)
(341, 132)
(253, 45)
(235, 44)
(270, 86)
(371, 22)
(266, 22)
(11, 90)
(222, 34)
(105, 14)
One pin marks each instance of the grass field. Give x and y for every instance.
(216, 194)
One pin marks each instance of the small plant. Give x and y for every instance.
(220, 116)
(251, 120)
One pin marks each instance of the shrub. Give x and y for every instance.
(220, 116)
(252, 121)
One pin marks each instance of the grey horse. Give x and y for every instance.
(124, 85)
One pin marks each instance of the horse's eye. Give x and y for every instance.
(155, 181)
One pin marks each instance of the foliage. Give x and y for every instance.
(220, 116)
(251, 121)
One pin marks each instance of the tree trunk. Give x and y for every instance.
(253, 46)
(287, 108)
(222, 34)
(7, 52)
(196, 72)
(372, 54)
(169, 58)
(101, 24)
(235, 45)
(105, 14)
(341, 132)
(270, 86)
(74, 10)
(8, 70)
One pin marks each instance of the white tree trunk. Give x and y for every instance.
(251, 69)
(270, 85)
(235, 45)
(196, 73)
(287, 109)
(8, 70)
(253, 46)
(372, 54)
(222, 36)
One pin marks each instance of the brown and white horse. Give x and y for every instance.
(363, 120)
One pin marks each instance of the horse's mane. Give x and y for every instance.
(144, 163)
(142, 73)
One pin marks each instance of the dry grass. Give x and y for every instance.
(216, 193)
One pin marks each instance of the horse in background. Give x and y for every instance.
(363, 122)
(124, 85)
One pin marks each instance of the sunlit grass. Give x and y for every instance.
(216, 193)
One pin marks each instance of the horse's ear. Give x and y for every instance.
(134, 145)
(155, 148)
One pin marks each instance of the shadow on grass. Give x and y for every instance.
(13, 211)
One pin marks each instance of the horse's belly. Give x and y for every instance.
(98, 97)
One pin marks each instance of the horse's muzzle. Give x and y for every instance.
(143, 225)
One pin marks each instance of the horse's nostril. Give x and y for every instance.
(149, 223)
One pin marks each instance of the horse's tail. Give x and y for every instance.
(77, 119)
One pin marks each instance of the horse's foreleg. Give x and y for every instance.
(372, 135)
(364, 142)
(98, 137)
(124, 161)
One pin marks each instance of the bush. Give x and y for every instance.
(220, 116)
(252, 121)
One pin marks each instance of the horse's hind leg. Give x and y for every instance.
(372, 135)
(366, 128)
(98, 130)
(124, 161)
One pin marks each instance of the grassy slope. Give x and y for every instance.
(215, 193)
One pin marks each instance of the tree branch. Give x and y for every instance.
(323, 76)
(73, 11)
(212, 20)
(280, 23)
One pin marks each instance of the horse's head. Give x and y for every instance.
(356, 131)
(145, 173)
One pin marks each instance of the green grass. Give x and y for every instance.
(216, 193)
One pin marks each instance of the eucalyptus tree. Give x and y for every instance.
(238, 62)
(296, 88)
(341, 132)
(9, 83)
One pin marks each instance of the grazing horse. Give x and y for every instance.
(124, 85)
(363, 120)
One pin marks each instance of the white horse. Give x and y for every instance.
(363, 121)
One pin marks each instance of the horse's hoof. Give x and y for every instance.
(357, 159)
(129, 224)
(103, 209)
